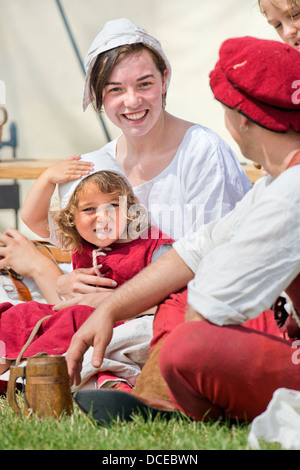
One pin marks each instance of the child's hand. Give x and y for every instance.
(68, 170)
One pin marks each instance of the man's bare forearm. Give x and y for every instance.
(150, 287)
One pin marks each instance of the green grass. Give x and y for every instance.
(81, 432)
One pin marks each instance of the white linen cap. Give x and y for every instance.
(114, 34)
(102, 162)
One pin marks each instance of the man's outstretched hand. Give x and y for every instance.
(97, 332)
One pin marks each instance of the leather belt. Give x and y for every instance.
(17, 280)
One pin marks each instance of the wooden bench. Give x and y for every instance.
(18, 169)
(252, 172)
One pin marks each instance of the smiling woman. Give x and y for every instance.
(135, 104)
(102, 80)
(183, 173)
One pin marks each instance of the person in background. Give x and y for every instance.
(284, 16)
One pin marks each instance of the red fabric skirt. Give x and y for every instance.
(215, 371)
(169, 314)
(54, 335)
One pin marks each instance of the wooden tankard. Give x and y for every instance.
(47, 389)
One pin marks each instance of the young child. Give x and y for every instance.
(105, 227)
(284, 16)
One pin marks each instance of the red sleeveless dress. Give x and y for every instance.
(121, 263)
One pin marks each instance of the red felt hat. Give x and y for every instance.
(261, 78)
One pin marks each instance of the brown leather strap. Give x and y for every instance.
(53, 252)
(17, 280)
(31, 338)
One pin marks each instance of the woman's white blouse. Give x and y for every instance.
(202, 183)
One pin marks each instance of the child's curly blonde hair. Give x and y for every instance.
(108, 182)
(291, 4)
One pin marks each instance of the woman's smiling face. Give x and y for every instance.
(284, 19)
(132, 96)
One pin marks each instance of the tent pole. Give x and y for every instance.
(79, 58)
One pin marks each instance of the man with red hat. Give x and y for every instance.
(228, 358)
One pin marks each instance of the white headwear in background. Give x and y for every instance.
(114, 34)
(102, 162)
